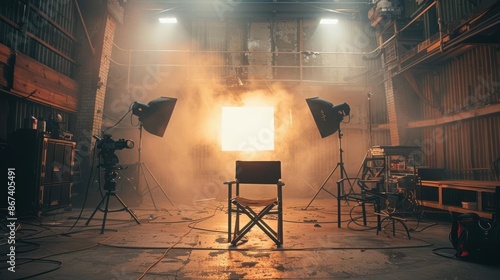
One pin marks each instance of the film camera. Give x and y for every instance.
(109, 161)
(108, 146)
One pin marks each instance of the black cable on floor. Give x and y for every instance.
(30, 260)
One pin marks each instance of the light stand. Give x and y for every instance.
(328, 119)
(154, 118)
(141, 166)
(343, 172)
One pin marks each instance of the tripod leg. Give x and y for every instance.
(158, 184)
(142, 166)
(127, 209)
(105, 212)
(95, 210)
(322, 186)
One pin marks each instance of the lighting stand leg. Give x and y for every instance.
(141, 171)
(142, 166)
(343, 173)
(157, 183)
(322, 187)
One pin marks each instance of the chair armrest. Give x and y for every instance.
(281, 183)
(229, 182)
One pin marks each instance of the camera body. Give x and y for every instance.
(107, 143)
(107, 147)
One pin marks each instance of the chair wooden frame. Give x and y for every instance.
(262, 173)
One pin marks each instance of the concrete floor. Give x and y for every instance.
(187, 241)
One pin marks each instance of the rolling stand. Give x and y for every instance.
(110, 186)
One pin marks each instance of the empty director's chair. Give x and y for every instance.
(250, 173)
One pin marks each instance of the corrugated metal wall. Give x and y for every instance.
(50, 27)
(468, 82)
(454, 10)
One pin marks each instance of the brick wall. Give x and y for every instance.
(391, 110)
(93, 78)
(402, 107)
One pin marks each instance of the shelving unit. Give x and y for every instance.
(393, 162)
(449, 194)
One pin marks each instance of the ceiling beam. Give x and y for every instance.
(460, 116)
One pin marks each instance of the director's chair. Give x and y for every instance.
(251, 173)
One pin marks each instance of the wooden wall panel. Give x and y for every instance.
(43, 84)
(4, 65)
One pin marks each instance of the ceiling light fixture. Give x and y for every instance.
(168, 20)
(328, 21)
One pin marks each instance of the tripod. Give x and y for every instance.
(110, 186)
(343, 173)
(141, 166)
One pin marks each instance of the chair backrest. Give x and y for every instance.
(258, 172)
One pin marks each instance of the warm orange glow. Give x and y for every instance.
(247, 129)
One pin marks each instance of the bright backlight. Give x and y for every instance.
(247, 128)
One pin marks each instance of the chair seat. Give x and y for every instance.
(254, 202)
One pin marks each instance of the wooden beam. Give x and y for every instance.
(487, 110)
(37, 82)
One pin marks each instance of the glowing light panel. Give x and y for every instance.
(247, 129)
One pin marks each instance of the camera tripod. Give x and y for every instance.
(110, 186)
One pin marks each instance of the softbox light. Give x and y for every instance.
(155, 115)
(326, 116)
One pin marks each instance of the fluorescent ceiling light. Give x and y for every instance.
(168, 20)
(329, 21)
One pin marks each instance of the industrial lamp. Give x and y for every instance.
(327, 116)
(154, 116)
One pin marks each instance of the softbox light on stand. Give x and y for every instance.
(154, 117)
(328, 118)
